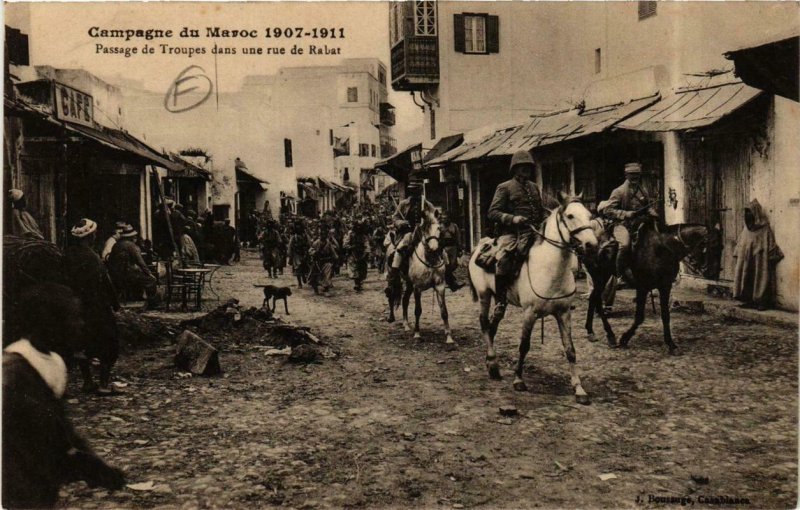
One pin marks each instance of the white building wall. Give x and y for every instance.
(784, 204)
(547, 52)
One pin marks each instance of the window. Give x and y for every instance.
(373, 150)
(424, 17)
(287, 152)
(598, 61)
(346, 176)
(363, 149)
(433, 124)
(382, 75)
(330, 136)
(646, 9)
(476, 33)
(352, 94)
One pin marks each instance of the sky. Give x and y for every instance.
(59, 36)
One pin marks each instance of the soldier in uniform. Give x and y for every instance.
(406, 217)
(517, 202)
(451, 241)
(625, 203)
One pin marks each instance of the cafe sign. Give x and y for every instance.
(72, 105)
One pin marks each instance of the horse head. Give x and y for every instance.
(431, 230)
(701, 245)
(575, 225)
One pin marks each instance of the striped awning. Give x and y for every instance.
(692, 108)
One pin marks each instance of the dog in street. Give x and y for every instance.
(275, 293)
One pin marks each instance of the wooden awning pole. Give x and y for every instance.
(167, 215)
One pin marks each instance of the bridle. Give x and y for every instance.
(426, 247)
(690, 260)
(569, 244)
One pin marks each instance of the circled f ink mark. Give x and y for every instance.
(181, 87)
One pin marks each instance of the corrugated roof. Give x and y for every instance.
(487, 145)
(566, 125)
(449, 155)
(692, 108)
(443, 145)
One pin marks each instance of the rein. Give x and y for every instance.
(689, 251)
(564, 244)
(424, 242)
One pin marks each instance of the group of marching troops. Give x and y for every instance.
(317, 249)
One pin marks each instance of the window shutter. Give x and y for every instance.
(492, 34)
(287, 152)
(458, 31)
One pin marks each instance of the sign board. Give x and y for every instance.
(416, 159)
(72, 105)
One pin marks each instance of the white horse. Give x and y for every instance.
(426, 267)
(545, 286)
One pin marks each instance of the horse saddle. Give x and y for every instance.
(487, 255)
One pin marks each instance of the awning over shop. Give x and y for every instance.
(186, 169)
(445, 144)
(692, 108)
(566, 125)
(449, 155)
(400, 166)
(122, 141)
(772, 66)
(244, 176)
(311, 190)
(487, 145)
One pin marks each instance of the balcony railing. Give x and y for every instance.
(388, 150)
(387, 114)
(415, 63)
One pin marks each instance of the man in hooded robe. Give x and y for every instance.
(22, 222)
(755, 256)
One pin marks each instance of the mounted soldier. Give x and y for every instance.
(626, 203)
(517, 205)
(407, 217)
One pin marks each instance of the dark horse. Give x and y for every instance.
(655, 262)
(600, 269)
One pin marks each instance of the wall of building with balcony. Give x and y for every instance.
(550, 53)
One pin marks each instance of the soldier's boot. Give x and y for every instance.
(501, 284)
(450, 279)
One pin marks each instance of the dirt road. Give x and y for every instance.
(392, 422)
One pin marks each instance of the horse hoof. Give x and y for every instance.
(612, 342)
(520, 386)
(591, 338)
(390, 320)
(417, 336)
(674, 351)
(494, 372)
(583, 400)
(406, 327)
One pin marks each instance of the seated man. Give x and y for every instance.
(517, 202)
(129, 270)
(626, 203)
